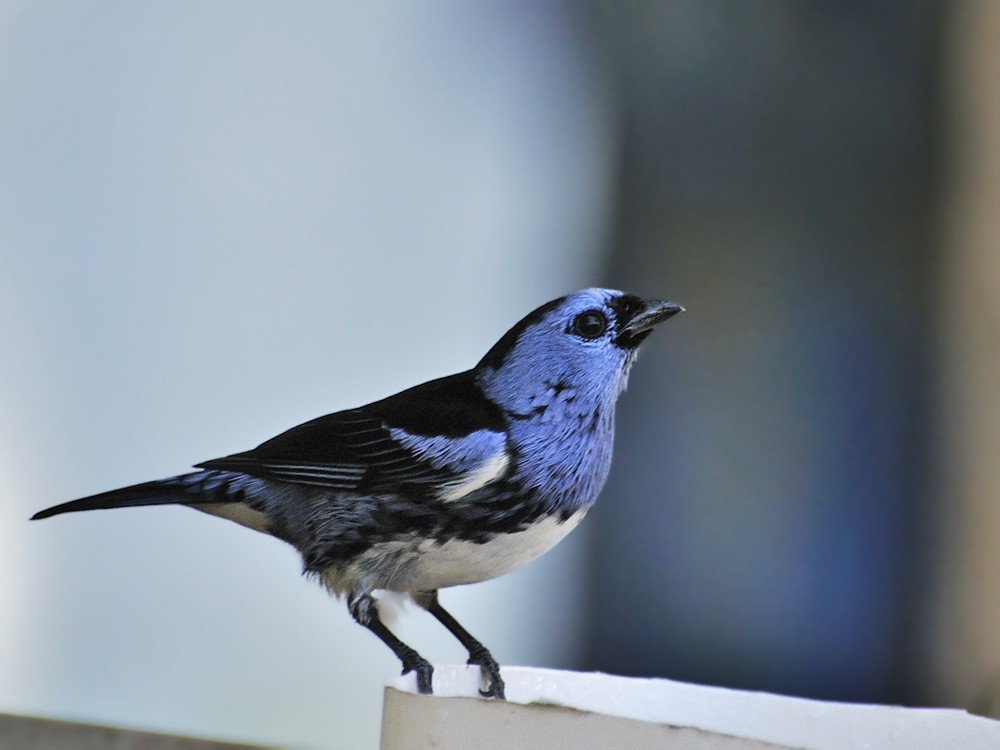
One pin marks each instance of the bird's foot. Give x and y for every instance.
(424, 672)
(493, 683)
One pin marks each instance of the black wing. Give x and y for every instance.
(356, 450)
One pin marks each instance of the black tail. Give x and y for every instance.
(183, 489)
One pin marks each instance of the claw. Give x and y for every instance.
(478, 655)
(424, 674)
(495, 690)
(490, 671)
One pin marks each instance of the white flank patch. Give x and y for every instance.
(490, 470)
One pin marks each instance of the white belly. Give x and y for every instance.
(422, 565)
(458, 562)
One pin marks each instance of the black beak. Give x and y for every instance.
(643, 320)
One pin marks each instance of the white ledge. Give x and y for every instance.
(550, 709)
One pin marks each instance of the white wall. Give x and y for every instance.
(219, 220)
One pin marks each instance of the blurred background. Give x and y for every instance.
(219, 220)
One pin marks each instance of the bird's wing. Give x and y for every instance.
(442, 438)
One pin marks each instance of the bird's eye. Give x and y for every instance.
(589, 325)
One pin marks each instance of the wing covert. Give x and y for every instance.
(380, 447)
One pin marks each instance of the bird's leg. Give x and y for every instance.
(478, 654)
(364, 609)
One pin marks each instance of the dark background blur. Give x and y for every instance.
(781, 170)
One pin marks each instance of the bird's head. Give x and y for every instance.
(585, 342)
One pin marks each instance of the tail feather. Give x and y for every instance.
(185, 489)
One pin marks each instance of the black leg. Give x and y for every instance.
(365, 611)
(478, 654)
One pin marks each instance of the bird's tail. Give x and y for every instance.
(199, 487)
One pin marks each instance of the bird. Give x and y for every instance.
(455, 481)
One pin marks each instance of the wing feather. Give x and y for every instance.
(421, 440)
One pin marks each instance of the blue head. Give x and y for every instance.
(557, 375)
(587, 341)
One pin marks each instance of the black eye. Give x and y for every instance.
(589, 325)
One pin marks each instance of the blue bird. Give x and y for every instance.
(455, 481)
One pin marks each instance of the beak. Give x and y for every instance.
(643, 322)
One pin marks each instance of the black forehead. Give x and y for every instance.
(496, 356)
(626, 307)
